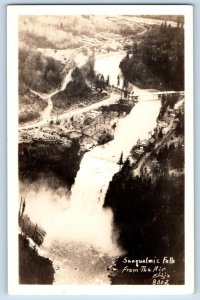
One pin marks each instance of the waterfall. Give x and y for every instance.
(95, 224)
(98, 167)
(91, 183)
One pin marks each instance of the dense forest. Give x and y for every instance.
(158, 60)
(76, 90)
(38, 72)
(149, 217)
(84, 87)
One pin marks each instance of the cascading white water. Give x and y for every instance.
(90, 184)
(100, 164)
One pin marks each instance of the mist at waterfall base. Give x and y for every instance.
(79, 242)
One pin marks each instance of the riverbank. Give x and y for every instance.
(33, 268)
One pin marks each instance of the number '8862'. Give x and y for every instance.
(160, 281)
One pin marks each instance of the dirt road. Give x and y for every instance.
(112, 99)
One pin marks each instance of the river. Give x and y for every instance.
(80, 238)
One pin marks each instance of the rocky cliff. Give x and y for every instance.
(54, 160)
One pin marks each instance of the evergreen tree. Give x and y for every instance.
(118, 80)
(120, 162)
(160, 134)
(108, 80)
(102, 80)
(97, 82)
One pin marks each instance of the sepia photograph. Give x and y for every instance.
(100, 170)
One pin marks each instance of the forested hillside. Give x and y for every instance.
(37, 73)
(158, 60)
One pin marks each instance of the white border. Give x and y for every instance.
(12, 130)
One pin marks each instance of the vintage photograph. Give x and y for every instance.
(101, 149)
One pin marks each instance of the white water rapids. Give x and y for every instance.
(80, 238)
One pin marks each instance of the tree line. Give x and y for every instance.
(158, 59)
